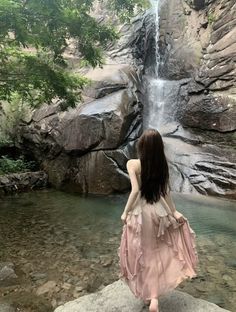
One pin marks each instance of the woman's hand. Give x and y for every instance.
(123, 217)
(179, 217)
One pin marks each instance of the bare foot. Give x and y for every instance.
(154, 306)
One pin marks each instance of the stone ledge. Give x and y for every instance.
(18, 182)
(118, 298)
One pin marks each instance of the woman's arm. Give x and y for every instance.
(132, 171)
(178, 216)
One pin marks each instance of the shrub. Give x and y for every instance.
(8, 165)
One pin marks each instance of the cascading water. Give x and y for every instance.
(195, 157)
(155, 5)
(160, 93)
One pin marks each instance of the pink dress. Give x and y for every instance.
(156, 252)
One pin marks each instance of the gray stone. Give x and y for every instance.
(108, 79)
(118, 298)
(26, 181)
(197, 4)
(38, 276)
(5, 307)
(7, 274)
(45, 288)
(211, 53)
(205, 40)
(109, 118)
(200, 163)
(210, 112)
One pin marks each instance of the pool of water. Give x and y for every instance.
(72, 242)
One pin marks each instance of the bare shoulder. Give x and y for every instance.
(134, 164)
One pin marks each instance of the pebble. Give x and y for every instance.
(212, 270)
(66, 286)
(7, 274)
(38, 276)
(45, 288)
(227, 278)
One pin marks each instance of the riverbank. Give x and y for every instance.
(19, 182)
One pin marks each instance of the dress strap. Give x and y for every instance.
(166, 206)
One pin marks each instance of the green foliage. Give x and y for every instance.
(11, 116)
(127, 8)
(34, 35)
(5, 141)
(8, 165)
(211, 18)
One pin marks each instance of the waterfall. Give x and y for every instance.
(160, 93)
(155, 7)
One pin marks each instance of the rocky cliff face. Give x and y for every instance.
(86, 149)
(198, 48)
(201, 45)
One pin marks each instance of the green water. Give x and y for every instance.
(73, 240)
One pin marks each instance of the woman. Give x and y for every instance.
(157, 250)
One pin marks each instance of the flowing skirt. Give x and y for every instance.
(156, 252)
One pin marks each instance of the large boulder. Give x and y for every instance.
(118, 298)
(78, 148)
(210, 112)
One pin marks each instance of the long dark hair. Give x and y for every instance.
(154, 167)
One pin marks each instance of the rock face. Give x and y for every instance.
(197, 46)
(118, 298)
(86, 149)
(201, 45)
(79, 147)
(23, 182)
(199, 165)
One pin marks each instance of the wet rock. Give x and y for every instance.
(38, 276)
(106, 261)
(7, 274)
(4, 307)
(117, 297)
(23, 182)
(210, 112)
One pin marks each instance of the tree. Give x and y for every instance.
(34, 34)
